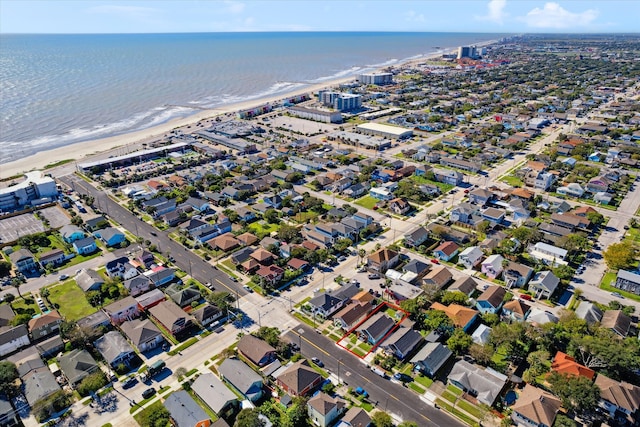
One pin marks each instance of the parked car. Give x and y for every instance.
(129, 382)
(402, 377)
(525, 297)
(248, 288)
(373, 276)
(617, 294)
(361, 392)
(317, 362)
(148, 393)
(63, 277)
(435, 261)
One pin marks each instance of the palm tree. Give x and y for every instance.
(362, 253)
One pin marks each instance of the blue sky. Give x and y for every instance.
(513, 16)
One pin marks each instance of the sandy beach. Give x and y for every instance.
(132, 141)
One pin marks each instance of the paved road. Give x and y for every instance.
(185, 259)
(391, 397)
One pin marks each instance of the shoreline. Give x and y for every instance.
(96, 148)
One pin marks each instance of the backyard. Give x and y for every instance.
(70, 301)
(367, 202)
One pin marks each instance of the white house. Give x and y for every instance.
(492, 266)
(548, 254)
(544, 284)
(574, 190)
(470, 257)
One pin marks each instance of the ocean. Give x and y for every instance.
(57, 90)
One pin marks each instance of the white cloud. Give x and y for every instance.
(234, 7)
(552, 15)
(413, 16)
(495, 12)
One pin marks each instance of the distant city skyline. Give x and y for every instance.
(151, 16)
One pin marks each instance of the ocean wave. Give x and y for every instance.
(383, 64)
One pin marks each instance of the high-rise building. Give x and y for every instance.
(339, 100)
(467, 52)
(375, 78)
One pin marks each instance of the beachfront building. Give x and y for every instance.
(375, 78)
(386, 131)
(316, 115)
(35, 189)
(135, 157)
(254, 112)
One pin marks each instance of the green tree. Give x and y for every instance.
(298, 414)
(408, 424)
(269, 334)
(93, 382)
(564, 421)
(248, 418)
(436, 320)
(5, 268)
(576, 392)
(271, 216)
(459, 342)
(481, 353)
(491, 319)
(381, 419)
(596, 218)
(8, 375)
(538, 365)
(288, 232)
(342, 244)
(220, 299)
(620, 255)
(456, 297)
(20, 319)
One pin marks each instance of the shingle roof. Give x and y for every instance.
(45, 319)
(299, 376)
(323, 403)
(212, 391)
(617, 321)
(459, 315)
(494, 295)
(537, 405)
(184, 410)
(111, 345)
(621, 394)
(254, 348)
(239, 374)
(140, 331)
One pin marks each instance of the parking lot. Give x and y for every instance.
(11, 229)
(56, 216)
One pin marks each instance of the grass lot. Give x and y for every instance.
(499, 359)
(444, 188)
(82, 258)
(415, 387)
(228, 267)
(367, 202)
(146, 411)
(633, 235)
(470, 421)
(303, 217)
(423, 381)
(260, 227)
(513, 181)
(606, 285)
(70, 300)
(188, 343)
(20, 305)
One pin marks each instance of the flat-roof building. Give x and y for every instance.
(34, 187)
(316, 115)
(386, 131)
(375, 78)
(339, 100)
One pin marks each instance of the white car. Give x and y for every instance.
(63, 277)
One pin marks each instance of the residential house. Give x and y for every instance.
(572, 189)
(465, 284)
(184, 411)
(466, 213)
(95, 323)
(327, 303)
(540, 317)
(356, 190)
(324, 409)
(431, 358)
(470, 257)
(539, 180)
(437, 278)
(150, 299)
(461, 317)
(617, 321)
(50, 347)
(45, 325)
(494, 215)
(171, 316)
(124, 309)
(446, 250)
(351, 314)
(544, 284)
(400, 206)
(480, 196)
(183, 296)
(516, 275)
(355, 417)
(383, 259)
(256, 350)
(628, 281)
(24, 261)
(89, 280)
(564, 364)
(598, 184)
(111, 236)
(548, 254)
(160, 276)
(138, 285)
(448, 176)
(515, 310)
(242, 255)
(482, 334)
(299, 379)
(375, 328)
(483, 384)
(85, 246)
(145, 257)
(13, 338)
(37, 381)
(143, 334)
(491, 300)
(535, 407)
(492, 266)
(589, 312)
(114, 348)
(122, 268)
(570, 220)
(70, 233)
(198, 204)
(53, 257)
(77, 365)
(381, 193)
(216, 395)
(416, 237)
(270, 275)
(97, 223)
(207, 315)
(159, 206)
(9, 417)
(242, 378)
(618, 398)
(403, 341)
(414, 271)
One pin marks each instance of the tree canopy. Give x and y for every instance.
(620, 255)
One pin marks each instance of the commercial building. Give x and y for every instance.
(339, 100)
(316, 115)
(379, 129)
(35, 189)
(468, 52)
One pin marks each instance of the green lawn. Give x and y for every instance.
(20, 305)
(367, 202)
(70, 301)
(303, 217)
(633, 235)
(444, 188)
(513, 181)
(260, 227)
(424, 381)
(606, 285)
(415, 387)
